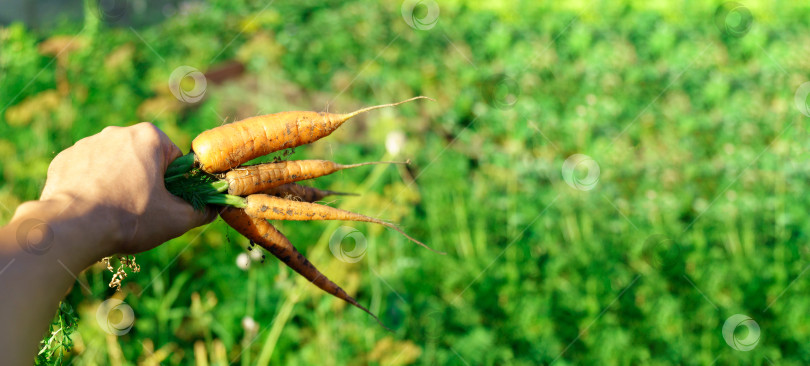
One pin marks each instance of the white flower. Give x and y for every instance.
(256, 254)
(249, 325)
(394, 142)
(243, 261)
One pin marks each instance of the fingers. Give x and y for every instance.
(199, 217)
(169, 151)
(187, 216)
(110, 129)
(210, 214)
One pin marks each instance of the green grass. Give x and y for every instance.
(698, 213)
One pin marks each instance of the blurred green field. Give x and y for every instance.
(697, 212)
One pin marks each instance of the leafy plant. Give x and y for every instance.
(58, 342)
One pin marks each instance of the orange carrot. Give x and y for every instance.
(268, 237)
(298, 192)
(274, 208)
(228, 146)
(251, 179)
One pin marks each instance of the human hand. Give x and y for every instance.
(104, 195)
(115, 180)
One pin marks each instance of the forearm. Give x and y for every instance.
(42, 249)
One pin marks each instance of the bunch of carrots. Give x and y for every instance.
(247, 196)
